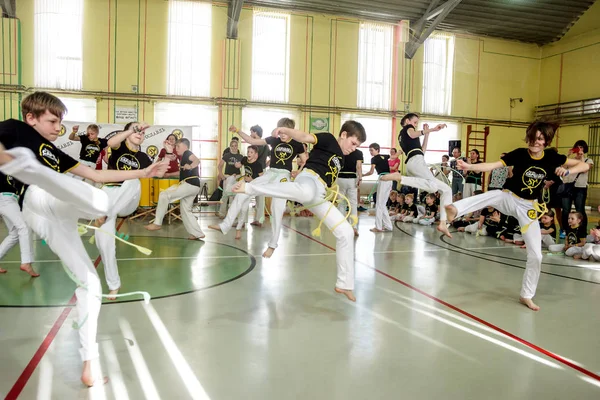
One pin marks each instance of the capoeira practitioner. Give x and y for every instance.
(186, 191)
(91, 145)
(124, 196)
(420, 176)
(230, 158)
(379, 162)
(54, 202)
(531, 166)
(252, 169)
(349, 181)
(310, 188)
(18, 231)
(284, 151)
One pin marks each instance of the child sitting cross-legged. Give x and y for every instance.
(431, 210)
(410, 208)
(574, 238)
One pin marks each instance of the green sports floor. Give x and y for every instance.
(434, 319)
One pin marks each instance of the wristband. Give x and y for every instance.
(568, 172)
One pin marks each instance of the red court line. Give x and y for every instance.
(17, 388)
(467, 314)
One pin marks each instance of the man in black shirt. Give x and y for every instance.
(186, 191)
(239, 208)
(10, 191)
(54, 202)
(458, 177)
(379, 162)
(310, 188)
(283, 152)
(531, 166)
(349, 181)
(229, 160)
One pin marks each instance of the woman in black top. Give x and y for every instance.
(531, 166)
(473, 178)
(310, 188)
(419, 174)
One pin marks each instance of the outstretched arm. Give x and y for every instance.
(574, 166)
(481, 167)
(115, 141)
(415, 134)
(371, 171)
(111, 175)
(73, 135)
(247, 138)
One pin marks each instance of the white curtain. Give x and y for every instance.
(79, 109)
(375, 65)
(438, 65)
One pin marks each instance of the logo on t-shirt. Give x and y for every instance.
(572, 238)
(533, 177)
(283, 152)
(47, 153)
(127, 162)
(532, 214)
(335, 166)
(92, 149)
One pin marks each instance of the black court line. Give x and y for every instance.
(246, 272)
(466, 252)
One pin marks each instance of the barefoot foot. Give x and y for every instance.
(577, 256)
(192, 237)
(256, 223)
(395, 176)
(215, 227)
(2, 271)
(451, 212)
(29, 269)
(239, 187)
(347, 293)
(355, 232)
(87, 377)
(238, 234)
(268, 252)
(153, 227)
(529, 303)
(115, 291)
(443, 228)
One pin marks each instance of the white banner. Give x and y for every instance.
(155, 135)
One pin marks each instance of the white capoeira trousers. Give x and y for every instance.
(124, 200)
(382, 215)
(591, 250)
(309, 190)
(51, 208)
(348, 188)
(420, 177)
(18, 231)
(510, 204)
(260, 209)
(228, 183)
(186, 193)
(570, 252)
(238, 209)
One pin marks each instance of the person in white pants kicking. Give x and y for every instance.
(186, 191)
(252, 169)
(284, 151)
(420, 175)
(379, 163)
(54, 202)
(519, 198)
(18, 231)
(310, 188)
(231, 156)
(349, 182)
(125, 155)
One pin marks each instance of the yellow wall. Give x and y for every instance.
(125, 44)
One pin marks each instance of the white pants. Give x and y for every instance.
(473, 228)
(186, 193)
(547, 241)
(228, 183)
(260, 209)
(239, 209)
(18, 231)
(591, 250)
(570, 252)
(308, 189)
(382, 215)
(348, 188)
(409, 219)
(272, 175)
(124, 200)
(420, 177)
(510, 204)
(470, 188)
(51, 208)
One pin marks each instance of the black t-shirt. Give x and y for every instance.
(413, 208)
(392, 205)
(529, 173)
(263, 153)
(404, 207)
(381, 163)
(91, 150)
(551, 228)
(474, 177)
(8, 184)
(574, 235)
(410, 146)
(326, 157)
(252, 170)
(190, 176)
(455, 173)
(431, 209)
(349, 169)
(125, 159)
(283, 153)
(230, 161)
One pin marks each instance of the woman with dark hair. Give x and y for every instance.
(579, 182)
(168, 152)
(420, 176)
(531, 167)
(473, 179)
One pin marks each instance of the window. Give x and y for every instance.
(189, 49)
(266, 118)
(379, 130)
(375, 65)
(80, 110)
(270, 57)
(437, 74)
(57, 48)
(204, 122)
(437, 145)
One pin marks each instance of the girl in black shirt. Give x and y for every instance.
(575, 237)
(531, 166)
(379, 163)
(310, 188)
(473, 179)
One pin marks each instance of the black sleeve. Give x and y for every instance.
(559, 159)
(433, 208)
(513, 157)
(581, 234)
(103, 143)
(374, 160)
(259, 168)
(270, 140)
(298, 147)
(66, 162)
(360, 156)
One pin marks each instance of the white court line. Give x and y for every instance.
(440, 249)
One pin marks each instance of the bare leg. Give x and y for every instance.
(529, 303)
(29, 269)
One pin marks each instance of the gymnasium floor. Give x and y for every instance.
(434, 319)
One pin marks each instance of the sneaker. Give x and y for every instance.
(562, 234)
